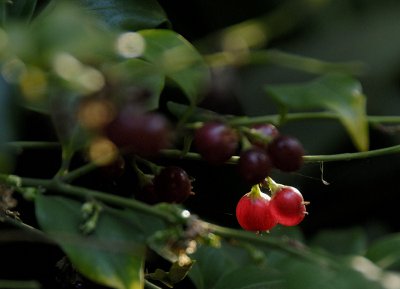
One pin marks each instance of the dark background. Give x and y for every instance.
(361, 193)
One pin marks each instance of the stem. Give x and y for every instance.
(307, 159)
(279, 244)
(72, 175)
(20, 145)
(353, 156)
(56, 186)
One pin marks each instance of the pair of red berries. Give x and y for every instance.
(257, 211)
(217, 142)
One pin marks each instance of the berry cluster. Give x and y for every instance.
(257, 211)
(266, 148)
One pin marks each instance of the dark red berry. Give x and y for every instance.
(288, 206)
(286, 153)
(267, 131)
(253, 212)
(145, 134)
(254, 165)
(172, 185)
(216, 142)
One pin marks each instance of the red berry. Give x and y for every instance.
(216, 142)
(288, 207)
(268, 131)
(172, 185)
(146, 134)
(254, 165)
(286, 153)
(253, 212)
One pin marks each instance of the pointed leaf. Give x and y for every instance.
(113, 255)
(178, 59)
(128, 15)
(338, 93)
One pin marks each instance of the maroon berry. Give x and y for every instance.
(288, 206)
(267, 131)
(254, 165)
(172, 185)
(146, 134)
(147, 194)
(253, 212)
(216, 142)
(286, 153)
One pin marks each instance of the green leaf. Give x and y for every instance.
(114, 254)
(211, 264)
(345, 241)
(198, 114)
(250, 277)
(128, 15)
(178, 59)
(139, 74)
(386, 252)
(335, 92)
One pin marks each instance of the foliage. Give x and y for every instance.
(125, 54)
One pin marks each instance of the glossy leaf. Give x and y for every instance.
(198, 114)
(113, 255)
(386, 252)
(338, 93)
(178, 59)
(128, 15)
(139, 74)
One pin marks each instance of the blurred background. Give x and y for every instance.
(362, 196)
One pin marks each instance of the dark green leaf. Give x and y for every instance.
(211, 264)
(178, 59)
(128, 15)
(140, 75)
(338, 93)
(386, 252)
(345, 241)
(113, 255)
(250, 277)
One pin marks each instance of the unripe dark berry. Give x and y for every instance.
(288, 206)
(286, 153)
(254, 165)
(267, 131)
(172, 185)
(216, 142)
(253, 212)
(145, 134)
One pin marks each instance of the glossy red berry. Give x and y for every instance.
(286, 153)
(288, 207)
(145, 134)
(216, 142)
(253, 212)
(172, 185)
(267, 131)
(254, 165)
